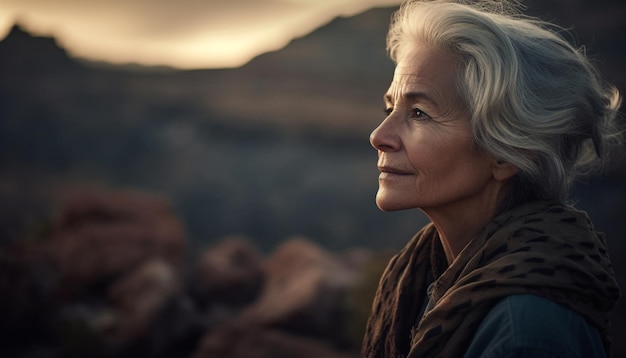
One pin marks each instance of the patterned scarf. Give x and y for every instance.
(540, 248)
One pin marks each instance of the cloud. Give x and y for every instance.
(184, 33)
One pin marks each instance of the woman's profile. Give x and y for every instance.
(491, 116)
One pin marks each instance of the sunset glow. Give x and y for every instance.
(185, 34)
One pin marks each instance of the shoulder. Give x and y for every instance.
(532, 326)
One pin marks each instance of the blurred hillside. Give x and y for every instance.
(276, 148)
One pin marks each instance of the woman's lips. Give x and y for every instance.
(391, 171)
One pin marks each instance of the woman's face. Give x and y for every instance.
(426, 155)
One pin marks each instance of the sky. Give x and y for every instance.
(185, 34)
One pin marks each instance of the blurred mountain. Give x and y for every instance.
(274, 148)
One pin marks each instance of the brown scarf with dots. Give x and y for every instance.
(540, 248)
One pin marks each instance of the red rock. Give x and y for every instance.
(304, 292)
(230, 272)
(103, 234)
(137, 299)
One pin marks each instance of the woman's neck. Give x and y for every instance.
(457, 225)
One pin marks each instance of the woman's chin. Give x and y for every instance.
(386, 203)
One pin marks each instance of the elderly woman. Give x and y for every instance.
(490, 116)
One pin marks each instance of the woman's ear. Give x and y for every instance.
(503, 170)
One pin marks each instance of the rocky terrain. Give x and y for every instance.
(107, 279)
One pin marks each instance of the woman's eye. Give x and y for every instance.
(418, 114)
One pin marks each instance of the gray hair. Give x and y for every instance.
(533, 99)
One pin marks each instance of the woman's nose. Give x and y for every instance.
(384, 137)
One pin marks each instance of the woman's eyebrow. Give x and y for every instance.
(411, 96)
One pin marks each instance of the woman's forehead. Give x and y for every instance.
(410, 88)
(424, 70)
